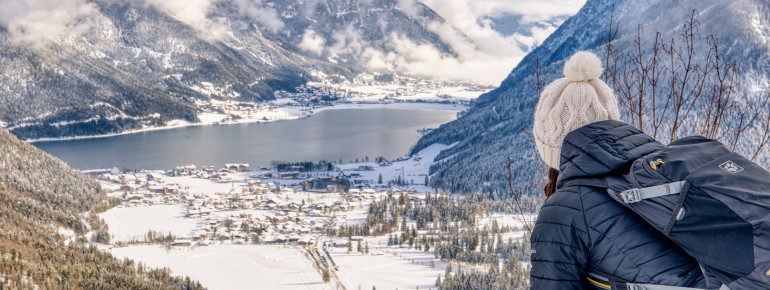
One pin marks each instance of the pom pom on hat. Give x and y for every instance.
(583, 66)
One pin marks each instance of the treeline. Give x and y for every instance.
(511, 276)
(450, 227)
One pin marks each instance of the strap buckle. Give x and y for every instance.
(631, 196)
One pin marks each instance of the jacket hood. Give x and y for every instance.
(602, 148)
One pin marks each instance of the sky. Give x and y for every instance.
(485, 53)
(489, 37)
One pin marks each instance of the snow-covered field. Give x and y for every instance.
(387, 271)
(234, 266)
(387, 267)
(413, 170)
(132, 223)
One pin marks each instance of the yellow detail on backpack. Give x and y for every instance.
(654, 164)
(767, 273)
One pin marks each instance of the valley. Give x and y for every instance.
(284, 226)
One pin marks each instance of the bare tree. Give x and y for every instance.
(671, 89)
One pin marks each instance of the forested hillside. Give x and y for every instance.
(498, 125)
(42, 233)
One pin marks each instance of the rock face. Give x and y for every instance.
(125, 64)
(496, 127)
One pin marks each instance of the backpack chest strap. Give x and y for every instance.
(638, 194)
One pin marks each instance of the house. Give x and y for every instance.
(366, 168)
(288, 175)
(186, 170)
(159, 189)
(305, 240)
(237, 167)
(128, 179)
(181, 243)
(154, 177)
(361, 181)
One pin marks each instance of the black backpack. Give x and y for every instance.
(715, 204)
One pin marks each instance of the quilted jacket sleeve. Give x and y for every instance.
(560, 244)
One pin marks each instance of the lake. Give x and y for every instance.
(331, 135)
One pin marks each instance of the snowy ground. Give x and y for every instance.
(132, 223)
(413, 170)
(387, 267)
(515, 222)
(234, 266)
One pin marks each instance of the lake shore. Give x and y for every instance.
(286, 113)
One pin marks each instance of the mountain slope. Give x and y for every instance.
(40, 228)
(491, 131)
(137, 64)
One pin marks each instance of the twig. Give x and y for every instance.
(515, 195)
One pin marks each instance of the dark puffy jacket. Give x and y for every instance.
(581, 227)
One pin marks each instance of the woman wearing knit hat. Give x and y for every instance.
(580, 229)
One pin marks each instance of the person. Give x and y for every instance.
(580, 228)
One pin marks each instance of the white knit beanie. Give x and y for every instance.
(570, 103)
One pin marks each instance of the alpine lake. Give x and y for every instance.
(332, 135)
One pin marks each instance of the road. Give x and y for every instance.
(323, 261)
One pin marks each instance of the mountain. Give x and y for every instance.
(121, 65)
(42, 233)
(496, 127)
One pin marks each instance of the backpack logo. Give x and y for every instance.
(731, 167)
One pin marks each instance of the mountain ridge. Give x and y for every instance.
(139, 65)
(496, 127)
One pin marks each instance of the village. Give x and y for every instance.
(236, 204)
(329, 92)
(288, 218)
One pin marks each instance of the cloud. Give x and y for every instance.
(483, 54)
(37, 23)
(409, 7)
(312, 42)
(531, 10)
(194, 14)
(266, 16)
(347, 42)
(426, 60)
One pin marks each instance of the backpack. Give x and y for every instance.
(713, 203)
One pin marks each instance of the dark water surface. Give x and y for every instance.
(344, 134)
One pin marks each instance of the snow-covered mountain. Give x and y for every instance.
(491, 131)
(78, 67)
